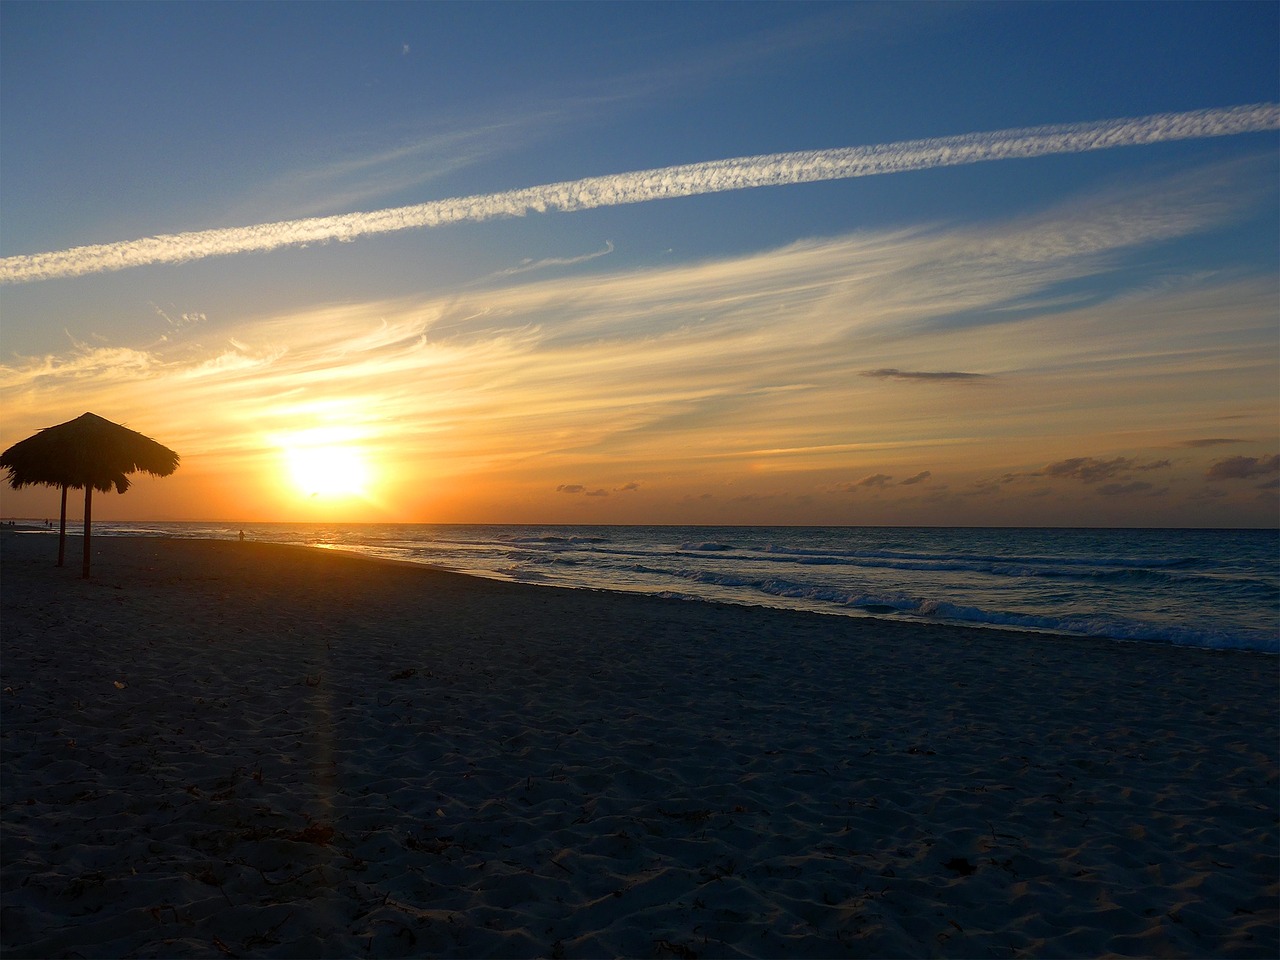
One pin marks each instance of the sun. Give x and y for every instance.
(328, 470)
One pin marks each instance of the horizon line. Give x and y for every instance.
(39, 527)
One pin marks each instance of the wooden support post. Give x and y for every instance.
(88, 516)
(62, 528)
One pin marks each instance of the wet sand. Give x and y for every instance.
(242, 749)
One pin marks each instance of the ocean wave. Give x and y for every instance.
(1112, 569)
(1085, 625)
(1113, 628)
(545, 559)
(1033, 560)
(1212, 589)
(524, 575)
(557, 540)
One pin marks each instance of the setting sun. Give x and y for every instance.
(328, 471)
(322, 465)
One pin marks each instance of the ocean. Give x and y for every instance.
(1199, 588)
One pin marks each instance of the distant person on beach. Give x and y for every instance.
(241, 536)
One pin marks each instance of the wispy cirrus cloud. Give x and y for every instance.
(546, 262)
(687, 180)
(351, 175)
(744, 365)
(1211, 442)
(927, 376)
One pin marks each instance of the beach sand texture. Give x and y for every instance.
(240, 749)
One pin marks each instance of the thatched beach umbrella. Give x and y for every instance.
(87, 452)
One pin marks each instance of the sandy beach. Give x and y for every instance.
(251, 750)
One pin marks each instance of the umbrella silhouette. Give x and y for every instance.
(87, 452)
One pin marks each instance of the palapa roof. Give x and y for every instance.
(88, 451)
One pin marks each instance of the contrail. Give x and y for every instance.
(688, 180)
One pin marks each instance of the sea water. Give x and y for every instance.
(1200, 588)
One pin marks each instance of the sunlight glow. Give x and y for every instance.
(323, 464)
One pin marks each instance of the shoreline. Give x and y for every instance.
(237, 524)
(1119, 612)
(284, 752)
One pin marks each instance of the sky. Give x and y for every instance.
(722, 263)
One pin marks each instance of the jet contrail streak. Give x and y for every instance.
(688, 180)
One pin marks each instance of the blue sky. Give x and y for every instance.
(716, 358)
